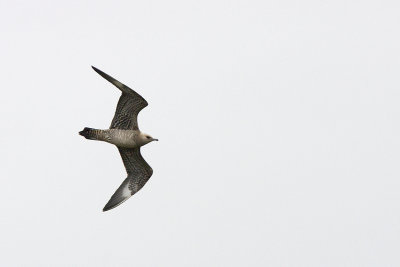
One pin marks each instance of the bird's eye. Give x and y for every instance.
(148, 137)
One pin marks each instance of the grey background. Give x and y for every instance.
(278, 124)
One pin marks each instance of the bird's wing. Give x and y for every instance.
(129, 105)
(139, 172)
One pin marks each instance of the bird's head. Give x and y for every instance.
(146, 138)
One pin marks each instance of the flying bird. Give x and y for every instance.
(125, 134)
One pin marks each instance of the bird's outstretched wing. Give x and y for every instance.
(139, 172)
(129, 105)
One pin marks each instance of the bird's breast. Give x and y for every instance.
(123, 138)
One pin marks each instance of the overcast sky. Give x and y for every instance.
(278, 124)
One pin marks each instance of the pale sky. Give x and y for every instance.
(278, 124)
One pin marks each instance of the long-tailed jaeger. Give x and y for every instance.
(125, 134)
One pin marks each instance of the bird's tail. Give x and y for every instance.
(92, 134)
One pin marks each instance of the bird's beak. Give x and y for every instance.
(155, 139)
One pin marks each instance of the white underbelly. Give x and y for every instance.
(123, 138)
(124, 143)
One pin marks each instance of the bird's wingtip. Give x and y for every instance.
(120, 196)
(104, 75)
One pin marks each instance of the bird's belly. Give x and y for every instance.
(124, 143)
(123, 138)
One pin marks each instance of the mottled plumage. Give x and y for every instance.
(125, 134)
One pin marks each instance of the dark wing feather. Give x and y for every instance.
(139, 172)
(134, 162)
(129, 105)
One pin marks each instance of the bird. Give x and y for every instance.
(124, 133)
